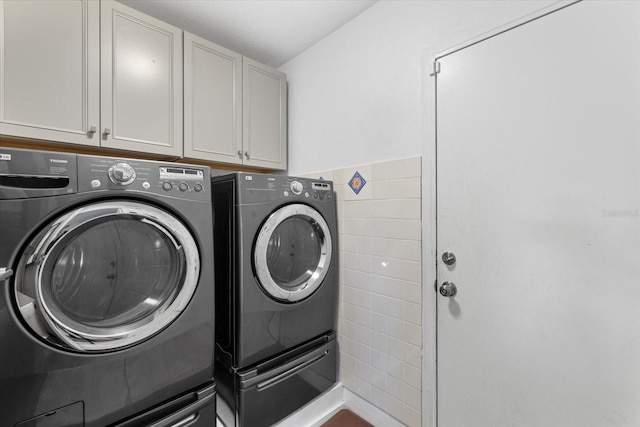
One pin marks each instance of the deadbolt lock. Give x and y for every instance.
(449, 258)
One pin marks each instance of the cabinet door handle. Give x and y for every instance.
(240, 153)
(246, 154)
(106, 132)
(91, 131)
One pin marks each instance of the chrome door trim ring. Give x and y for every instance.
(260, 253)
(92, 339)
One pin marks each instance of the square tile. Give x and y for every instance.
(358, 186)
(395, 388)
(363, 335)
(413, 313)
(412, 397)
(357, 182)
(378, 360)
(363, 353)
(379, 342)
(379, 398)
(378, 379)
(412, 376)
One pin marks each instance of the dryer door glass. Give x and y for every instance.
(292, 252)
(107, 275)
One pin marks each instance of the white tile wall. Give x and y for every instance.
(380, 321)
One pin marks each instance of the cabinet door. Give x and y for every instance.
(49, 70)
(212, 101)
(264, 130)
(141, 66)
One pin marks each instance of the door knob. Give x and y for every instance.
(449, 258)
(448, 289)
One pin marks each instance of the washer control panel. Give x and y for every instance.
(106, 173)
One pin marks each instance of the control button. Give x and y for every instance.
(306, 194)
(286, 194)
(296, 187)
(315, 195)
(96, 183)
(198, 187)
(183, 186)
(167, 186)
(122, 173)
(146, 185)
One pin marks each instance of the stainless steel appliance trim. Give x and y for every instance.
(290, 372)
(262, 242)
(190, 411)
(5, 273)
(87, 338)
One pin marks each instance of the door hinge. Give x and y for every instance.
(435, 68)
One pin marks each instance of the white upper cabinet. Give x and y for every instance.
(141, 65)
(102, 74)
(212, 101)
(264, 133)
(49, 70)
(235, 108)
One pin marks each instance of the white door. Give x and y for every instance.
(538, 197)
(141, 81)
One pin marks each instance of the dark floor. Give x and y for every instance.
(346, 418)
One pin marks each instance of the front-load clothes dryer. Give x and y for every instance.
(275, 240)
(106, 303)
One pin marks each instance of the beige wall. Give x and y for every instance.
(379, 327)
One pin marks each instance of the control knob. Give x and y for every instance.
(296, 187)
(122, 174)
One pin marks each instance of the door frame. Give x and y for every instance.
(430, 69)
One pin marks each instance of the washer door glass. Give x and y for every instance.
(107, 276)
(292, 252)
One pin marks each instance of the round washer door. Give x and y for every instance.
(292, 252)
(106, 276)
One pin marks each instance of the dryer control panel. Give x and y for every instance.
(96, 173)
(308, 189)
(258, 188)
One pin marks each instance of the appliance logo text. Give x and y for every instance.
(5, 156)
(58, 161)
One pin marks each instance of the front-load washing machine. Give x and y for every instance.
(275, 240)
(106, 298)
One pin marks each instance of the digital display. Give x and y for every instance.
(181, 173)
(322, 186)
